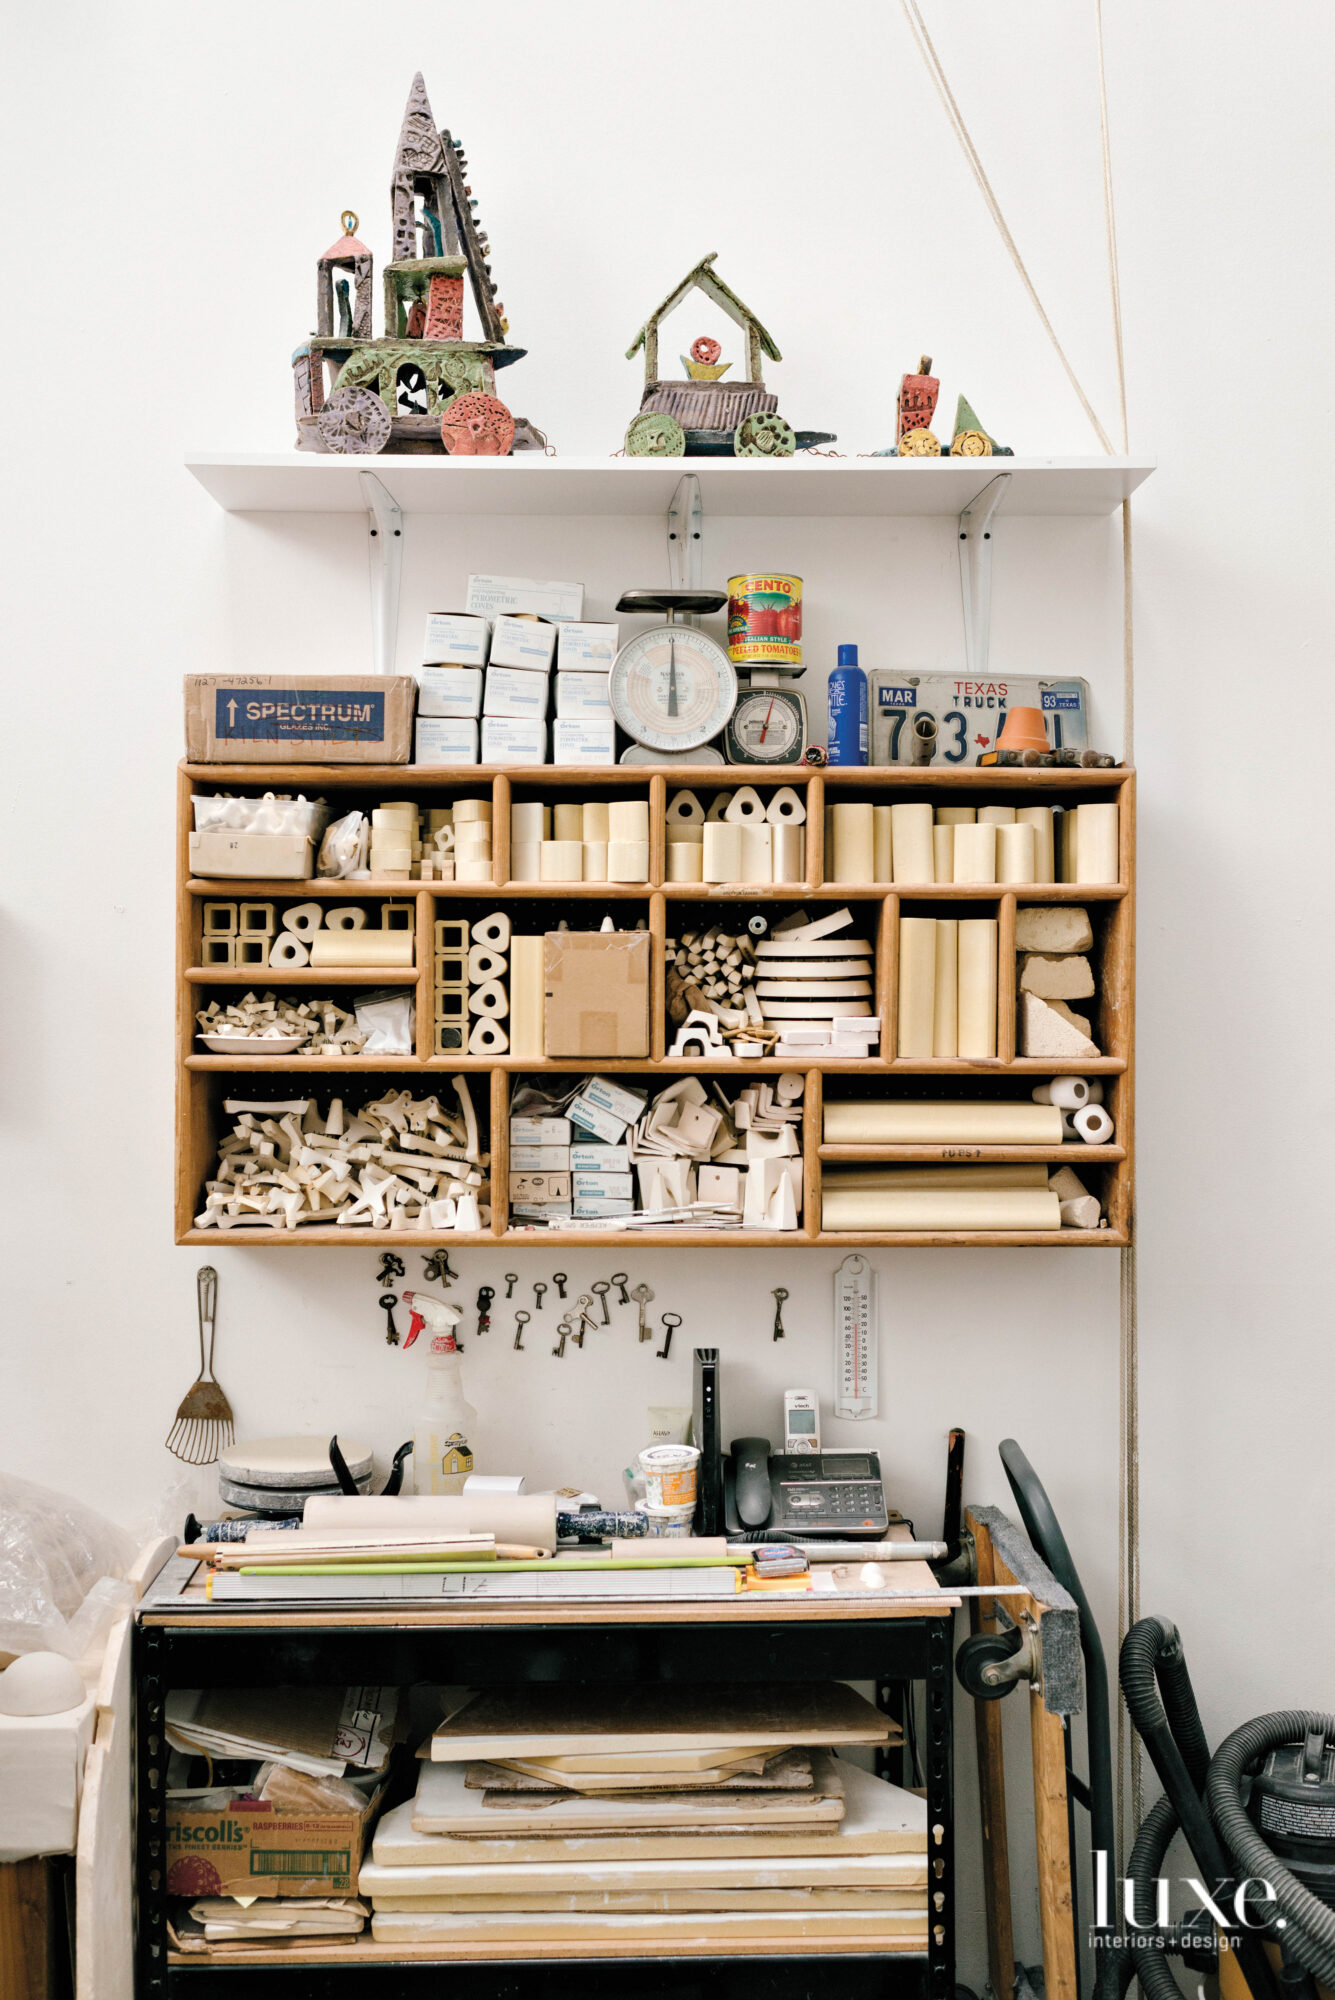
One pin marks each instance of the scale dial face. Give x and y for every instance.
(672, 688)
(768, 726)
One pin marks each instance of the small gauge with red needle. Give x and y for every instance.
(768, 726)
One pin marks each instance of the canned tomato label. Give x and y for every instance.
(765, 621)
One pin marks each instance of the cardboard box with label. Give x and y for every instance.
(446, 740)
(295, 719)
(596, 993)
(513, 739)
(586, 648)
(259, 1852)
(255, 857)
(516, 692)
(584, 740)
(455, 639)
(514, 596)
(448, 691)
(523, 642)
(583, 695)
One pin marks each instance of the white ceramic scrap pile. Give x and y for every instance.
(323, 1027)
(398, 1163)
(707, 1163)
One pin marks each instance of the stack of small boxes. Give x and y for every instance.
(516, 629)
(472, 985)
(577, 1166)
(599, 840)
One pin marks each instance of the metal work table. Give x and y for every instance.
(178, 1644)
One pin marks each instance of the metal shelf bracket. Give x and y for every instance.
(384, 520)
(975, 546)
(686, 535)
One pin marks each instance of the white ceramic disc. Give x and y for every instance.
(292, 1461)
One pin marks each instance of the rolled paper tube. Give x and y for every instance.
(976, 853)
(490, 1000)
(757, 851)
(594, 821)
(722, 852)
(526, 861)
(882, 845)
(628, 820)
(471, 809)
(977, 1027)
(478, 870)
(493, 930)
(992, 1175)
(996, 816)
(488, 1039)
(383, 948)
(510, 1517)
(289, 950)
(526, 996)
(484, 964)
(1016, 860)
(917, 986)
(956, 815)
(685, 861)
(345, 917)
(909, 1209)
(1040, 818)
(595, 860)
(561, 861)
(945, 1017)
(530, 822)
(567, 821)
(921, 1122)
(854, 845)
(1070, 1092)
(789, 853)
(685, 835)
(628, 861)
(1096, 843)
(911, 843)
(1094, 1125)
(943, 852)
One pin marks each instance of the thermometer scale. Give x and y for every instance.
(855, 1339)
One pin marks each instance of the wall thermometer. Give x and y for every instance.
(856, 1338)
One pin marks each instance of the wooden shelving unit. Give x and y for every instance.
(203, 1079)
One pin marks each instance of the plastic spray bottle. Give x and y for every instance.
(444, 1433)
(848, 710)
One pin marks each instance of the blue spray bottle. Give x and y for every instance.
(848, 710)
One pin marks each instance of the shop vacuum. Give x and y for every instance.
(1259, 1818)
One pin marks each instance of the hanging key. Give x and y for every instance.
(521, 1321)
(560, 1280)
(436, 1268)
(387, 1303)
(511, 1280)
(779, 1295)
(484, 1299)
(600, 1288)
(671, 1321)
(583, 1317)
(391, 1267)
(565, 1330)
(539, 1290)
(643, 1294)
(620, 1280)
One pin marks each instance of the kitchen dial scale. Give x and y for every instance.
(674, 689)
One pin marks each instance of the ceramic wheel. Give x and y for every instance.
(764, 435)
(475, 425)
(654, 434)
(919, 444)
(354, 420)
(970, 444)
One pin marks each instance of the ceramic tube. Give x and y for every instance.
(854, 844)
(978, 988)
(1094, 1125)
(628, 820)
(996, 816)
(595, 860)
(946, 1208)
(943, 852)
(288, 949)
(1066, 845)
(561, 861)
(1040, 818)
(1096, 844)
(909, 1121)
(789, 854)
(757, 851)
(628, 860)
(385, 948)
(567, 821)
(956, 815)
(526, 990)
(945, 1018)
(722, 851)
(1070, 1092)
(882, 822)
(917, 986)
(1016, 860)
(911, 841)
(526, 861)
(686, 861)
(595, 820)
(976, 852)
(530, 822)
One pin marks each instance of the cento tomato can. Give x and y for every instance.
(765, 621)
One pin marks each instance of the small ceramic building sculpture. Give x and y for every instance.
(704, 416)
(421, 387)
(914, 410)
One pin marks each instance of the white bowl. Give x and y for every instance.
(252, 1045)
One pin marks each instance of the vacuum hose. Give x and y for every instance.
(1309, 1926)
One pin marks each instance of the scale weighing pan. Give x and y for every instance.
(693, 603)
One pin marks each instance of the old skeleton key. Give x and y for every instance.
(565, 1329)
(511, 1280)
(584, 1316)
(643, 1294)
(779, 1295)
(391, 1267)
(600, 1288)
(521, 1321)
(484, 1299)
(538, 1290)
(671, 1321)
(621, 1280)
(560, 1280)
(387, 1303)
(436, 1268)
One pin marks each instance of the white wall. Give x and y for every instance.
(172, 176)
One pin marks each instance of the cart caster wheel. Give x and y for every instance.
(764, 435)
(354, 420)
(982, 1655)
(654, 434)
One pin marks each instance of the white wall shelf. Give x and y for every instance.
(306, 483)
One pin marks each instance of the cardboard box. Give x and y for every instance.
(600, 1159)
(539, 1131)
(455, 639)
(259, 1852)
(294, 719)
(607, 1187)
(585, 648)
(513, 739)
(453, 691)
(599, 1205)
(596, 993)
(540, 1187)
(540, 1159)
(514, 691)
(584, 740)
(523, 642)
(605, 1095)
(259, 857)
(443, 740)
(541, 1211)
(580, 696)
(506, 596)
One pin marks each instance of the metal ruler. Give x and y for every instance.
(856, 1337)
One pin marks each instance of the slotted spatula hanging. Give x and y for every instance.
(204, 1421)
